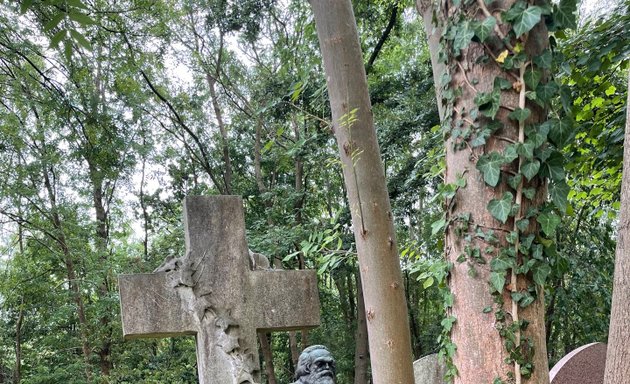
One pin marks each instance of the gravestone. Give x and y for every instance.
(584, 365)
(429, 370)
(213, 293)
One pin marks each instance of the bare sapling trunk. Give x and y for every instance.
(353, 127)
(618, 354)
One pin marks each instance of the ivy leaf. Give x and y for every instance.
(541, 273)
(481, 138)
(500, 208)
(522, 224)
(485, 28)
(529, 193)
(532, 77)
(515, 180)
(488, 103)
(560, 131)
(548, 223)
(520, 114)
(545, 92)
(544, 60)
(558, 192)
(537, 134)
(530, 169)
(554, 167)
(564, 15)
(502, 83)
(511, 153)
(527, 20)
(463, 36)
(490, 166)
(500, 265)
(497, 281)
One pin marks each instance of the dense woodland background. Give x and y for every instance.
(112, 111)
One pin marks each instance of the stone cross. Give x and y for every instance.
(213, 294)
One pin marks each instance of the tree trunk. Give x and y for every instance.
(386, 310)
(618, 354)
(480, 355)
(17, 374)
(433, 31)
(267, 357)
(361, 348)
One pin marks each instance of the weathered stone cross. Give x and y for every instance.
(213, 293)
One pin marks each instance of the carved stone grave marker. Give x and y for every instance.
(429, 370)
(584, 365)
(213, 294)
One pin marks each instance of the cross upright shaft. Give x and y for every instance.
(213, 294)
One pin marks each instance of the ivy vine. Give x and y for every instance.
(533, 157)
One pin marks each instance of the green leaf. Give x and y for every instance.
(532, 77)
(54, 21)
(544, 61)
(487, 310)
(530, 169)
(548, 223)
(77, 4)
(520, 114)
(515, 181)
(522, 224)
(481, 138)
(57, 37)
(553, 167)
(500, 208)
(79, 38)
(558, 192)
(502, 83)
(511, 153)
(547, 91)
(488, 103)
(67, 49)
(463, 36)
(529, 193)
(490, 166)
(26, 4)
(438, 226)
(500, 265)
(428, 282)
(527, 20)
(560, 131)
(541, 272)
(565, 14)
(485, 28)
(537, 134)
(81, 18)
(497, 281)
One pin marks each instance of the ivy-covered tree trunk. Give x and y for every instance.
(379, 263)
(618, 354)
(500, 159)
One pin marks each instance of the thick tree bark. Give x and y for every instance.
(385, 307)
(361, 348)
(481, 356)
(618, 354)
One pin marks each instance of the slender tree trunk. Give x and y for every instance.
(618, 354)
(73, 284)
(361, 347)
(340, 282)
(267, 357)
(17, 374)
(386, 310)
(433, 31)
(293, 346)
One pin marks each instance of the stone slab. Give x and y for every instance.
(429, 370)
(584, 365)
